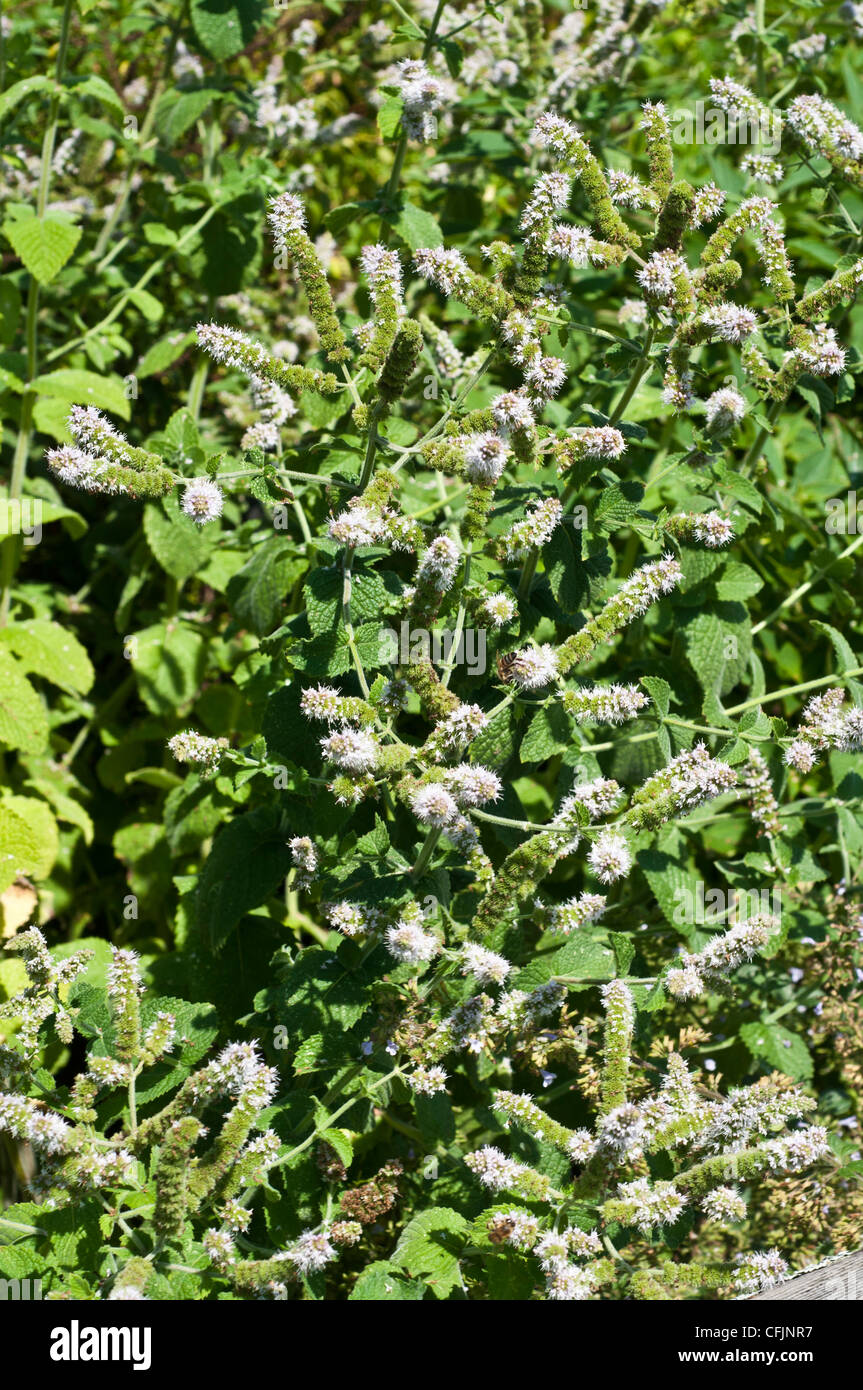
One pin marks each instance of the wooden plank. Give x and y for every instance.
(840, 1277)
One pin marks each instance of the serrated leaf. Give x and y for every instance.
(660, 693)
(249, 860)
(549, 732)
(495, 744)
(738, 581)
(257, 593)
(416, 227)
(430, 1246)
(224, 27)
(178, 111)
(383, 1282)
(783, 1050)
(624, 951)
(44, 648)
(43, 245)
(390, 115)
(33, 841)
(20, 91)
(23, 718)
(168, 661)
(718, 648)
(179, 545)
(85, 388)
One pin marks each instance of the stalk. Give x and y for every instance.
(11, 550)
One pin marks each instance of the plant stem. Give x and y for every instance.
(9, 553)
(804, 588)
(459, 622)
(142, 139)
(336, 1115)
(425, 853)
(835, 679)
(760, 37)
(753, 453)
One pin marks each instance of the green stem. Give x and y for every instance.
(141, 284)
(336, 1115)
(142, 139)
(835, 679)
(425, 853)
(459, 622)
(753, 453)
(11, 550)
(804, 588)
(760, 37)
(528, 570)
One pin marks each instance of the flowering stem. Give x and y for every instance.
(795, 690)
(371, 446)
(529, 826)
(760, 40)
(347, 581)
(615, 1254)
(196, 388)
(133, 1107)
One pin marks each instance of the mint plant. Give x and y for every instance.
(471, 646)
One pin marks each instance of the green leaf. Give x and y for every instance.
(168, 660)
(382, 1282)
(65, 807)
(718, 648)
(179, 545)
(19, 91)
(85, 388)
(33, 840)
(389, 116)
(435, 1117)
(416, 227)
(618, 503)
(430, 1246)
(44, 245)
(624, 951)
(257, 593)
(495, 744)
(738, 581)
(549, 732)
(224, 27)
(248, 862)
(660, 693)
(784, 1051)
(44, 648)
(23, 719)
(164, 353)
(584, 957)
(177, 112)
(93, 85)
(670, 882)
(563, 565)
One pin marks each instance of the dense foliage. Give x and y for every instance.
(431, 718)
